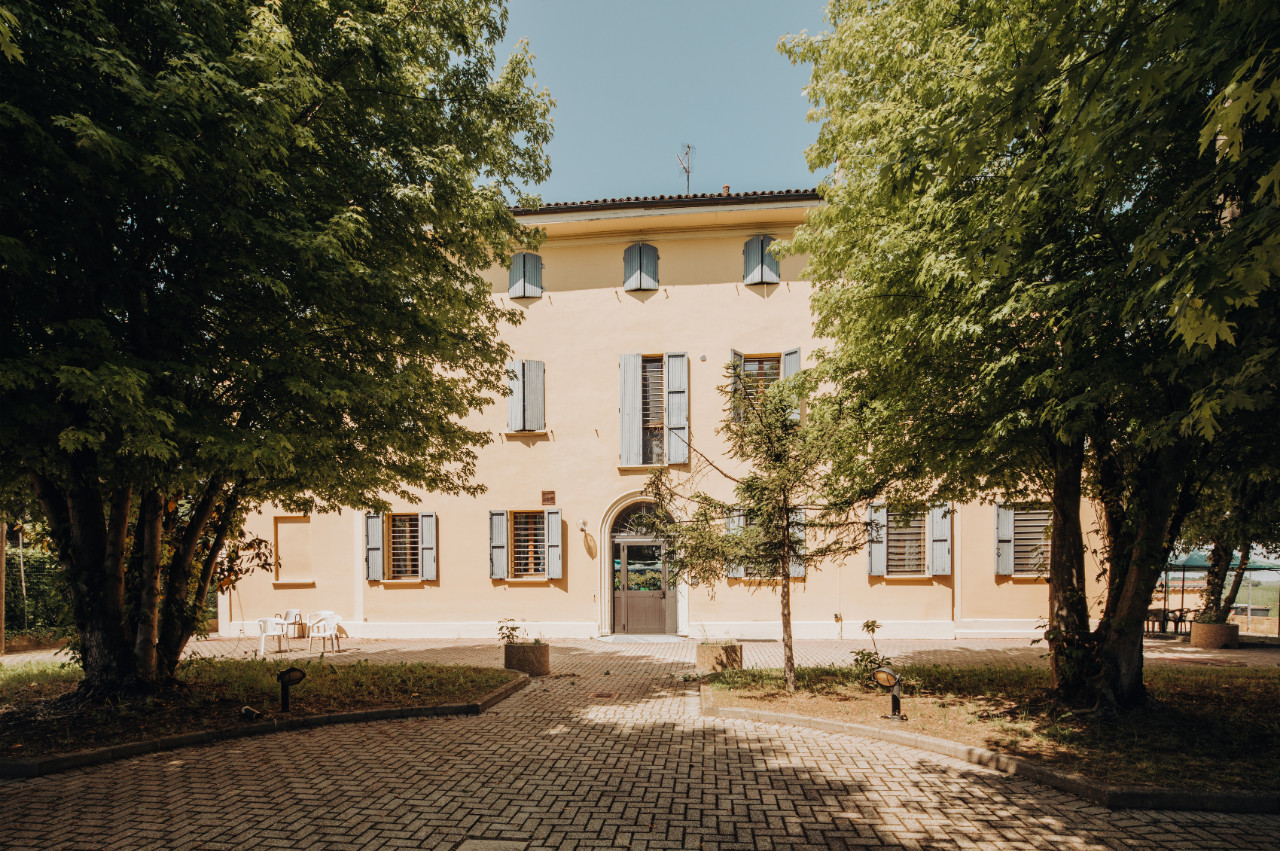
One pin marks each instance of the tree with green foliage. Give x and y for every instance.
(1020, 221)
(242, 248)
(776, 527)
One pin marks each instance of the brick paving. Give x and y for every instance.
(609, 752)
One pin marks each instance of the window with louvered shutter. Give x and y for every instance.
(405, 549)
(905, 545)
(758, 372)
(1031, 530)
(652, 410)
(528, 544)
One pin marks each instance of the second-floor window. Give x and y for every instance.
(526, 406)
(654, 409)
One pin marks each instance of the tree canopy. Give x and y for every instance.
(1024, 262)
(242, 248)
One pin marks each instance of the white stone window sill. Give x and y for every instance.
(911, 577)
(293, 583)
(542, 432)
(527, 580)
(398, 583)
(645, 466)
(1028, 577)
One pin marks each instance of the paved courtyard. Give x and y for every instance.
(609, 752)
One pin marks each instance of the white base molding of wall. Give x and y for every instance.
(1000, 628)
(760, 630)
(546, 630)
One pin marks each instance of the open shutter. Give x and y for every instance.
(629, 409)
(515, 402)
(790, 366)
(373, 546)
(497, 545)
(751, 271)
(535, 417)
(532, 276)
(796, 527)
(427, 544)
(515, 280)
(677, 412)
(631, 267)
(877, 549)
(554, 555)
(939, 541)
(648, 267)
(768, 263)
(736, 361)
(1004, 541)
(733, 525)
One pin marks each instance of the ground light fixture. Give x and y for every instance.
(891, 679)
(288, 677)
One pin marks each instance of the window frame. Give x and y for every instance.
(640, 267)
(759, 266)
(379, 547)
(527, 403)
(1045, 544)
(519, 283)
(552, 548)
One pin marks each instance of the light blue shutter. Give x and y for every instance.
(532, 276)
(736, 361)
(751, 261)
(373, 546)
(629, 409)
(1004, 541)
(427, 545)
(677, 413)
(790, 366)
(940, 541)
(515, 281)
(768, 263)
(877, 550)
(497, 545)
(648, 267)
(796, 527)
(515, 402)
(733, 525)
(535, 417)
(631, 267)
(554, 556)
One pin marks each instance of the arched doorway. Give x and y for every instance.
(643, 600)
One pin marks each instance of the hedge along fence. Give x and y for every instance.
(47, 605)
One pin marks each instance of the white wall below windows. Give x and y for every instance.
(456, 629)
(1000, 628)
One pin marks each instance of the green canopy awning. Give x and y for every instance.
(1199, 560)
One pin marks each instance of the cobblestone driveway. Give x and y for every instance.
(613, 756)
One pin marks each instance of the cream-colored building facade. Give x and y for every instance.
(632, 309)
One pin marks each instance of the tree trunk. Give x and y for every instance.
(788, 649)
(1230, 599)
(1214, 580)
(1071, 661)
(148, 538)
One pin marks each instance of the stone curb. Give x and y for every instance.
(1109, 796)
(39, 766)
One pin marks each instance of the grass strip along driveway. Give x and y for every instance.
(40, 717)
(1210, 729)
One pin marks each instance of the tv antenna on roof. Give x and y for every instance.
(686, 165)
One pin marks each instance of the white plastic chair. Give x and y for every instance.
(293, 621)
(324, 628)
(268, 627)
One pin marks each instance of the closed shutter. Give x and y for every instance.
(736, 365)
(535, 417)
(768, 263)
(515, 280)
(1004, 541)
(877, 549)
(733, 524)
(629, 410)
(677, 383)
(497, 545)
(790, 366)
(532, 276)
(427, 545)
(515, 402)
(940, 541)
(631, 267)
(648, 267)
(554, 559)
(797, 530)
(751, 270)
(373, 546)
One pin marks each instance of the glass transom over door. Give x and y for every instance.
(639, 589)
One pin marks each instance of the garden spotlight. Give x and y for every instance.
(891, 679)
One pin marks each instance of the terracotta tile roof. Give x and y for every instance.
(696, 200)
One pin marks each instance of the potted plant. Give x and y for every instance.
(1211, 631)
(720, 656)
(531, 657)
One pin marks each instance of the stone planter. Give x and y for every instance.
(532, 659)
(1215, 636)
(720, 657)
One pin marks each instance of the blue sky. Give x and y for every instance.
(635, 81)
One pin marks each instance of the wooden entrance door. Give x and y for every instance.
(640, 598)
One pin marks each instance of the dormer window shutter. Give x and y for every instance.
(940, 541)
(631, 268)
(768, 263)
(525, 279)
(648, 267)
(758, 265)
